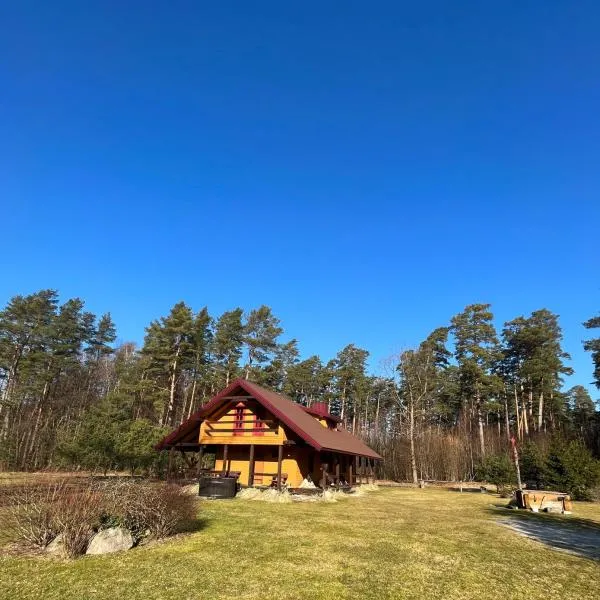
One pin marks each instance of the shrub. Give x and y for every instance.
(532, 462)
(77, 515)
(572, 468)
(497, 469)
(38, 514)
(30, 513)
(148, 509)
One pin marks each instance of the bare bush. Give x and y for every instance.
(38, 514)
(154, 510)
(29, 513)
(77, 514)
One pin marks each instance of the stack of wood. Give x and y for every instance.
(544, 501)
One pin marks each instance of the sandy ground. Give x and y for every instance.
(577, 539)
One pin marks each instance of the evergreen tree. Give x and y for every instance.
(420, 378)
(168, 345)
(477, 353)
(260, 337)
(350, 382)
(227, 346)
(581, 406)
(593, 346)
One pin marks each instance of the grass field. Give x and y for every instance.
(391, 543)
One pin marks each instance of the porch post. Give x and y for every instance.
(170, 464)
(337, 471)
(350, 478)
(225, 452)
(251, 467)
(199, 464)
(279, 461)
(324, 467)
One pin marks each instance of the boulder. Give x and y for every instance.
(56, 546)
(109, 540)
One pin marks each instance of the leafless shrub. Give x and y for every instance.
(78, 516)
(29, 514)
(38, 514)
(154, 510)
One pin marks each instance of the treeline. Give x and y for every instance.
(70, 398)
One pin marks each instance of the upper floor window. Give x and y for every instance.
(238, 423)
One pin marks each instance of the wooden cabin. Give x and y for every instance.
(266, 439)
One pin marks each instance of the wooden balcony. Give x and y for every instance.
(229, 430)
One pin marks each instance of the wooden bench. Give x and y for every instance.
(273, 476)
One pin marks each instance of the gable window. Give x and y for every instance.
(238, 423)
(258, 425)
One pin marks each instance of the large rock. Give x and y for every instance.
(57, 545)
(114, 539)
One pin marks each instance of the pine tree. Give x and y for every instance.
(420, 377)
(593, 346)
(227, 346)
(169, 348)
(260, 337)
(350, 382)
(477, 353)
(582, 407)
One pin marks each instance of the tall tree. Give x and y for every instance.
(477, 352)
(169, 347)
(201, 342)
(582, 407)
(260, 337)
(593, 346)
(420, 377)
(350, 381)
(227, 345)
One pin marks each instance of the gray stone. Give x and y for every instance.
(109, 540)
(56, 546)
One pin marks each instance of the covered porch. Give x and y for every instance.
(285, 465)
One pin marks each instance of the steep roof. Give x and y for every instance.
(288, 412)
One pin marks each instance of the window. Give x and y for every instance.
(258, 424)
(238, 424)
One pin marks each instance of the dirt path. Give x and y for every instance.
(568, 537)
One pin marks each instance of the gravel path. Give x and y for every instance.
(581, 540)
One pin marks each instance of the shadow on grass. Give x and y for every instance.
(563, 532)
(193, 525)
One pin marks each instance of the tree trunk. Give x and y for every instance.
(413, 457)
(541, 410)
(518, 415)
(480, 424)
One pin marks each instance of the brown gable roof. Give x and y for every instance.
(290, 414)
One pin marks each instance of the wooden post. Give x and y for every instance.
(357, 469)
(199, 465)
(337, 471)
(251, 467)
(225, 452)
(324, 467)
(350, 473)
(170, 465)
(279, 461)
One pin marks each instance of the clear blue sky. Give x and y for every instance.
(366, 169)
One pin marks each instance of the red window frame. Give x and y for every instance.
(238, 423)
(258, 425)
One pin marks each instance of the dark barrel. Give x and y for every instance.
(218, 487)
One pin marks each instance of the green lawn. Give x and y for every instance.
(392, 543)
